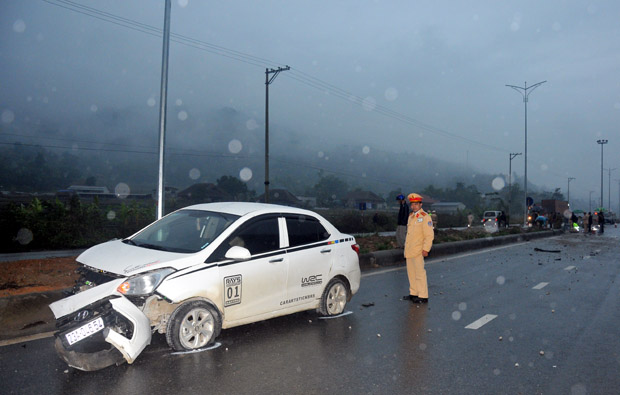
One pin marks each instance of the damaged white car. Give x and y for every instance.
(199, 270)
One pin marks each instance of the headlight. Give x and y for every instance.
(144, 284)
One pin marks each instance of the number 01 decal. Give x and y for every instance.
(232, 290)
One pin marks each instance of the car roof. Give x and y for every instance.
(245, 208)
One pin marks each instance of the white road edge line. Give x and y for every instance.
(481, 321)
(24, 339)
(441, 259)
(540, 285)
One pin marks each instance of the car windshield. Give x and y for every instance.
(489, 214)
(185, 231)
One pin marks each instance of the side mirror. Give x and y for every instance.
(238, 254)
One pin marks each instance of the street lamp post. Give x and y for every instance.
(602, 143)
(568, 193)
(524, 92)
(511, 157)
(609, 187)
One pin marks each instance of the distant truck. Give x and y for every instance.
(551, 206)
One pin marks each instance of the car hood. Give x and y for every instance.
(126, 260)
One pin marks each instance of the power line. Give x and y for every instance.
(297, 75)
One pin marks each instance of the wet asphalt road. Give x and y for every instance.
(507, 320)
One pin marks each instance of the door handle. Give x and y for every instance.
(326, 250)
(276, 260)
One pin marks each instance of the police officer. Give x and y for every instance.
(418, 243)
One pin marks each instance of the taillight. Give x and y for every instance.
(356, 248)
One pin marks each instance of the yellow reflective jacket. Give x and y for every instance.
(420, 234)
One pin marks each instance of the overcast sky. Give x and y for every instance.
(385, 75)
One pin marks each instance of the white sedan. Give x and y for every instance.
(199, 270)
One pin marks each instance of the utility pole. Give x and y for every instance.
(511, 156)
(568, 197)
(524, 92)
(163, 95)
(268, 81)
(602, 143)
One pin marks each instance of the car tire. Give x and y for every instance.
(193, 325)
(334, 298)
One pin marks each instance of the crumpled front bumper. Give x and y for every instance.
(118, 308)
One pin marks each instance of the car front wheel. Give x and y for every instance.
(334, 298)
(193, 325)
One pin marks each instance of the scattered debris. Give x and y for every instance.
(542, 352)
(369, 304)
(501, 338)
(542, 250)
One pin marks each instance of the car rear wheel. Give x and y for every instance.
(334, 298)
(193, 325)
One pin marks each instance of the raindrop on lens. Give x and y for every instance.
(235, 146)
(462, 306)
(369, 103)
(121, 190)
(456, 315)
(183, 3)
(500, 280)
(94, 108)
(19, 26)
(194, 174)
(366, 150)
(498, 183)
(111, 215)
(8, 116)
(24, 236)
(182, 115)
(245, 174)
(391, 94)
(251, 124)
(321, 154)
(150, 102)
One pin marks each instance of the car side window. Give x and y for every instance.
(258, 236)
(304, 230)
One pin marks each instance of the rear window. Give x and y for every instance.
(304, 230)
(490, 214)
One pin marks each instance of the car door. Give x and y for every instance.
(310, 259)
(257, 286)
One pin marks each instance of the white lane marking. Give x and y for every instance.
(540, 286)
(211, 347)
(441, 259)
(336, 316)
(481, 321)
(24, 339)
(567, 268)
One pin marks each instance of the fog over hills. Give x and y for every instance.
(121, 146)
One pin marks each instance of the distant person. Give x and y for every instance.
(435, 219)
(590, 219)
(502, 220)
(586, 226)
(403, 216)
(418, 243)
(601, 222)
(470, 219)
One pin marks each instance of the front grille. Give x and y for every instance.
(91, 277)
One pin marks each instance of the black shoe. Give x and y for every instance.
(409, 297)
(419, 300)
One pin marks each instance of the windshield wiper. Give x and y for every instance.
(153, 246)
(129, 241)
